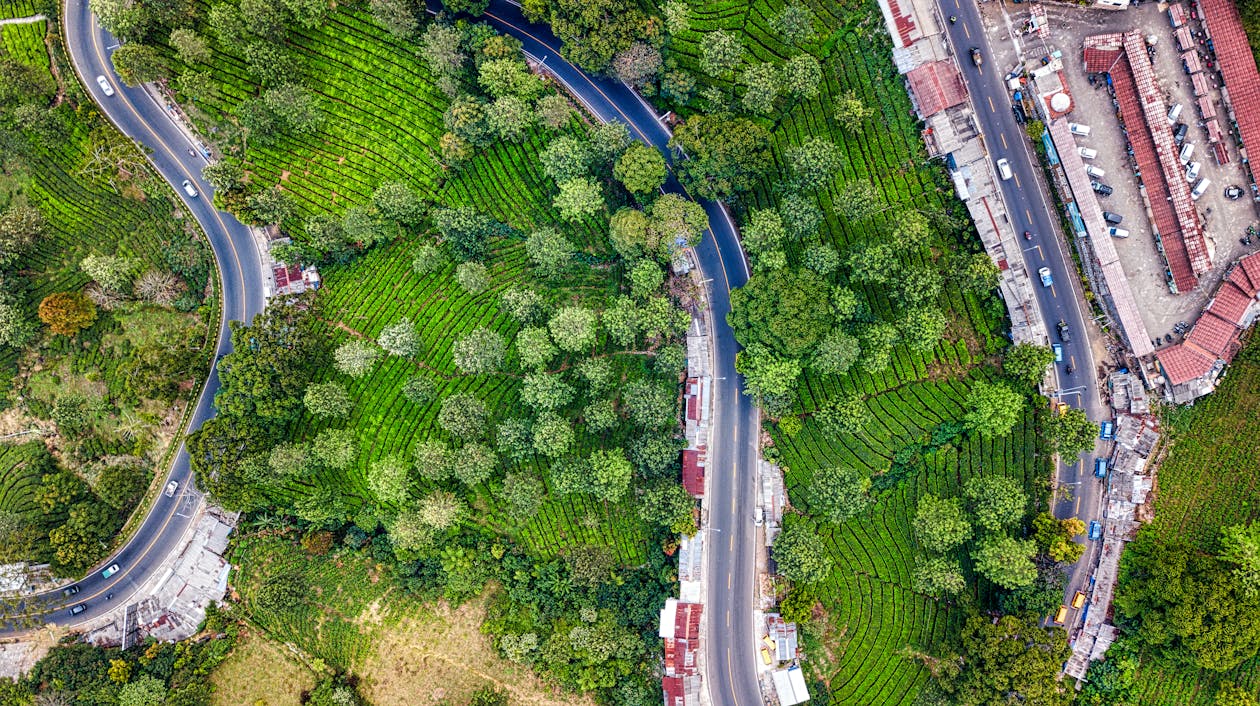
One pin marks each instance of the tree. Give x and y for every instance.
(356, 358)
(976, 273)
(270, 206)
(396, 201)
(676, 223)
(836, 353)
(16, 329)
(429, 259)
(1071, 433)
(1054, 537)
(146, 690)
(610, 474)
(396, 16)
(20, 226)
(291, 459)
(112, 273)
(786, 310)
(858, 201)
(472, 277)
(997, 502)
(139, 63)
(554, 110)
(761, 88)
(650, 404)
(795, 22)
(638, 64)
(993, 409)
(523, 493)
(922, 328)
(120, 485)
(1240, 547)
(480, 351)
(553, 436)
(725, 155)
(677, 16)
(545, 391)
(878, 340)
(799, 552)
(440, 510)
(641, 169)
(850, 112)
(472, 464)
(721, 53)
(845, 415)
(940, 524)
(465, 229)
(668, 505)
(938, 577)
(763, 235)
(550, 251)
(578, 198)
(463, 416)
(839, 493)
(1006, 561)
(566, 157)
(191, 47)
(522, 304)
(1232, 695)
(814, 162)
(471, 7)
(1010, 660)
(1026, 363)
(400, 338)
(432, 457)
(801, 76)
(509, 117)
(573, 328)
(596, 30)
(768, 377)
(67, 313)
(267, 372)
(328, 400)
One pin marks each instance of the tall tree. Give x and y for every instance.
(724, 155)
(721, 53)
(786, 310)
(1010, 660)
(641, 169)
(799, 552)
(998, 502)
(940, 523)
(993, 409)
(1006, 561)
(839, 493)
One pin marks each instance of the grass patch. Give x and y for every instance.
(260, 672)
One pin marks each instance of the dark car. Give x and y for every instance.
(1232, 192)
(1113, 218)
(1101, 188)
(1065, 333)
(976, 58)
(69, 591)
(1179, 133)
(78, 609)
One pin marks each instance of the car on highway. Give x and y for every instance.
(1065, 333)
(1100, 468)
(109, 571)
(1095, 530)
(1101, 188)
(976, 57)
(1106, 431)
(78, 609)
(188, 189)
(171, 487)
(103, 82)
(1058, 352)
(1047, 279)
(1078, 600)
(69, 591)
(1004, 168)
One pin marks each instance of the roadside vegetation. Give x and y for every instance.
(107, 310)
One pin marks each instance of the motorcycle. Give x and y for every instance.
(109, 596)
(953, 19)
(1069, 369)
(1027, 235)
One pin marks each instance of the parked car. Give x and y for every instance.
(1004, 168)
(1065, 333)
(171, 487)
(1192, 171)
(1106, 431)
(1101, 188)
(1086, 152)
(1174, 113)
(69, 591)
(1060, 615)
(1118, 232)
(1058, 352)
(1079, 129)
(1047, 279)
(109, 571)
(1232, 192)
(1179, 133)
(78, 609)
(1100, 468)
(1187, 151)
(1078, 600)
(1095, 172)
(1095, 530)
(103, 82)
(1113, 218)
(1199, 188)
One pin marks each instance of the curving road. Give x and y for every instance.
(1030, 209)
(141, 118)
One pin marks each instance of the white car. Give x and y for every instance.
(103, 82)
(188, 189)
(171, 487)
(1004, 168)
(1046, 278)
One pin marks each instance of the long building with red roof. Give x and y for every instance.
(1238, 68)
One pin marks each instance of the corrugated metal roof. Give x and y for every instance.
(936, 86)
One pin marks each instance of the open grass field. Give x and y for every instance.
(357, 617)
(861, 649)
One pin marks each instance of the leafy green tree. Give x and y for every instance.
(801, 76)
(269, 63)
(725, 155)
(573, 328)
(858, 201)
(549, 251)
(646, 278)
(650, 404)
(546, 391)
(801, 215)
(845, 415)
(523, 493)
(1054, 537)
(398, 17)
(120, 485)
(668, 505)
(472, 464)
(139, 63)
(328, 399)
(762, 236)
(641, 169)
(839, 493)
(822, 259)
(1240, 547)
(1010, 660)
(356, 358)
(429, 259)
(534, 348)
(940, 524)
(479, 351)
(923, 327)
(850, 111)
(600, 416)
(1232, 695)
(389, 479)
(1026, 362)
(440, 510)
(111, 272)
(465, 230)
(554, 111)
(786, 310)
(433, 459)
(997, 502)
(677, 16)
(463, 415)
(675, 223)
(761, 88)
(845, 303)
(295, 107)
(1006, 561)
(523, 304)
(993, 409)
(795, 23)
(768, 377)
(836, 353)
(638, 64)
(472, 277)
(938, 577)
(396, 201)
(610, 474)
(21, 225)
(566, 157)
(579, 198)
(814, 162)
(553, 436)
(721, 53)
(146, 690)
(291, 459)
(596, 30)
(400, 338)
(77, 544)
(877, 341)
(510, 118)
(270, 206)
(266, 375)
(800, 554)
(191, 47)
(976, 273)
(1071, 433)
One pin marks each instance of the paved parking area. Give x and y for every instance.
(1224, 221)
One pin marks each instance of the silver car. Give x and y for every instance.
(103, 82)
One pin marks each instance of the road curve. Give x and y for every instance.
(138, 116)
(730, 544)
(1029, 209)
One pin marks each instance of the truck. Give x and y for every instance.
(1106, 431)
(1100, 468)
(1095, 530)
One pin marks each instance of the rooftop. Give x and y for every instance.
(1237, 65)
(936, 87)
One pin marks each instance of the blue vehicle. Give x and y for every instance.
(1058, 352)
(1100, 468)
(1095, 530)
(1106, 431)
(109, 571)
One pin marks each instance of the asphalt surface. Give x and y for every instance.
(1030, 209)
(141, 118)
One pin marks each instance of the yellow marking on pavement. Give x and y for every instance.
(1017, 184)
(1042, 253)
(968, 33)
(732, 542)
(991, 108)
(1052, 292)
(1003, 136)
(1077, 510)
(730, 677)
(1028, 214)
(728, 587)
(957, 5)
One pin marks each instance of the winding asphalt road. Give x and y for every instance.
(1030, 209)
(141, 118)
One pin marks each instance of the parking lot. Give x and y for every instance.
(1225, 221)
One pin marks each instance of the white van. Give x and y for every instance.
(1187, 150)
(1094, 172)
(1199, 188)
(1192, 171)
(1004, 168)
(188, 189)
(1117, 232)
(1174, 113)
(1087, 153)
(1079, 129)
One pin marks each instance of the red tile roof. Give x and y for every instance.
(1183, 37)
(1214, 335)
(1201, 85)
(1100, 61)
(1239, 277)
(1230, 303)
(936, 86)
(1182, 363)
(1207, 109)
(1177, 14)
(1237, 65)
(1191, 61)
(692, 472)
(1251, 264)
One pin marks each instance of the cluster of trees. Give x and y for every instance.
(1002, 660)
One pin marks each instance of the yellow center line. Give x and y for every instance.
(1017, 184)
(1028, 214)
(730, 677)
(1003, 136)
(1053, 293)
(991, 108)
(968, 33)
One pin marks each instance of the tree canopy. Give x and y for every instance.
(786, 310)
